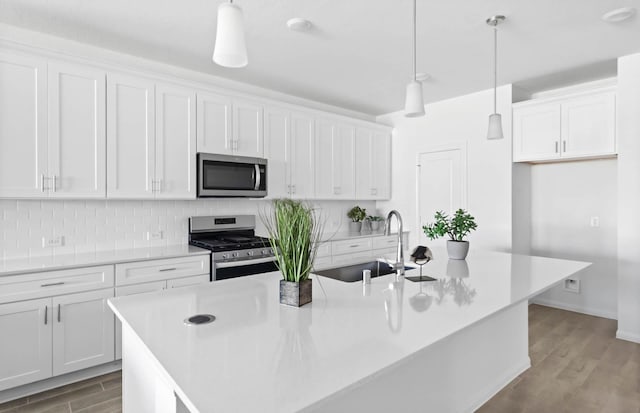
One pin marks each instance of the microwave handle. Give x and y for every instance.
(258, 178)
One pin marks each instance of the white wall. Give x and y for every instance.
(90, 226)
(629, 197)
(564, 197)
(462, 119)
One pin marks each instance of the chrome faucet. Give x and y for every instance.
(399, 265)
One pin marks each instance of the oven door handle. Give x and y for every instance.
(258, 177)
(243, 263)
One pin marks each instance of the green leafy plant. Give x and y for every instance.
(375, 218)
(457, 227)
(357, 214)
(294, 234)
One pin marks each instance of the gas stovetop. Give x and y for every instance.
(218, 243)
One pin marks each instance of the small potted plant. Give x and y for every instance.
(356, 215)
(294, 234)
(375, 221)
(457, 227)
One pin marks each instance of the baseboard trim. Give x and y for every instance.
(576, 309)
(493, 388)
(53, 382)
(628, 336)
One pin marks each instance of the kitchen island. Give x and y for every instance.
(394, 345)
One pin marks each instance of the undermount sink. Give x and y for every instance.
(353, 273)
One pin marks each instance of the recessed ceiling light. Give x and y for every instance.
(299, 25)
(422, 77)
(618, 15)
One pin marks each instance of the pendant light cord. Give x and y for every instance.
(414, 41)
(495, 69)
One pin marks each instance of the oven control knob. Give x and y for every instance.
(236, 254)
(250, 253)
(225, 256)
(265, 252)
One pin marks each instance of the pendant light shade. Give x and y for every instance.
(495, 119)
(231, 48)
(414, 103)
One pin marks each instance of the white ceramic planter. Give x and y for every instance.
(457, 250)
(355, 226)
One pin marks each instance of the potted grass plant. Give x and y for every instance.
(457, 228)
(356, 215)
(294, 233)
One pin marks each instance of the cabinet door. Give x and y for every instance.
(130, 290)
(536, 132)
(130, 137)
(381, 165)
(175, 143)
(325, 187)
(25, 347)
(363, 162)
(83, 334)
(77, 131)
(247, 129)
(23, 126)
(277, 151)
(588, 125)
(214, 124)
(302, 159)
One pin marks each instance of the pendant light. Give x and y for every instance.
(414, 103)
(495, 119)
(230, 49)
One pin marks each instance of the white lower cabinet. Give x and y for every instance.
(357, 249)
(25, 346)
(83, 331)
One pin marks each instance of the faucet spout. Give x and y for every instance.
(399, 265)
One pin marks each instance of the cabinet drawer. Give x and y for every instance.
(390, 241)
(187, 281)
(324, 249)
(145, 271)
(47, 284)
(348, 246)
(140, 288)
(339, 260)
(322, 263)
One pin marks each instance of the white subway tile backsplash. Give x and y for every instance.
(90, 226)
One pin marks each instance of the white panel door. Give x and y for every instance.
(536, 132)
(175, 143)
(130, 137)
(23, 126)
(77, 131)
(363, 164)
(381, 165)
(247, 129)
(589, 125)
(441, 184)
(344, 173)
(25, 347)
(83, 331)
(324, 159)
(302, 159)
(277, 151)
(214, 124)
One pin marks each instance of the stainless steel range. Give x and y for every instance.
(236, 250)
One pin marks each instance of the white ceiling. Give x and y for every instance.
(359, 55)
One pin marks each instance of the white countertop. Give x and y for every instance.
(68, 261)
(262, 356)
(342, 235)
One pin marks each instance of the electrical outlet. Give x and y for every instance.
(595, 222)
(572, 285)
(154, 236)
(53, 241)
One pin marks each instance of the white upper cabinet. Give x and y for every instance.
(175, 160)
(214, 124)
(247, 129)
(130, 137)
(572, 127)
(23, 126)
(77, 133)
(302, 156)
(334, 160)
(277, 151)
(372, 164)
(25, 349)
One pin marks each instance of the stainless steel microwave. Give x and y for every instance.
(231, 176)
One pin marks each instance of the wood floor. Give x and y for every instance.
(577, 366)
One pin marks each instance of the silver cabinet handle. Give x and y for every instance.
(294, 189)
(59, 313)
(564, 146)
(54, 183)
(42, 186)
(353, 246)
(556, 146)
(168, 269)
(46, 314)
(52, 284)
